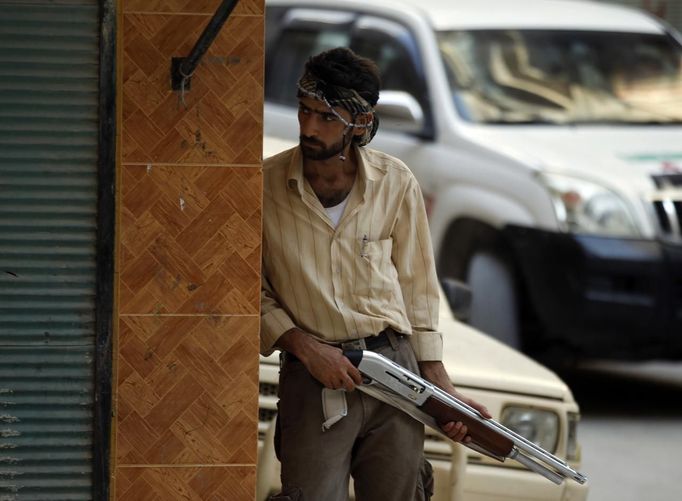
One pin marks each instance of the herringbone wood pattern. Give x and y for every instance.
(243, 7)
(188, 257)
(187, 390)
(220, 121)
(234, 483)
(190, 240)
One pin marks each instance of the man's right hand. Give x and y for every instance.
(325, 363)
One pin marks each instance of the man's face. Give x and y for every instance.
(322, 133)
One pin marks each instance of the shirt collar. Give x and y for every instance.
(295, 171)
(367, 170)
(370, 170)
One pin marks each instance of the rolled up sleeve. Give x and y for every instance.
(427, 345)
(274, 320)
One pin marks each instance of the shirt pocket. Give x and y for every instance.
(376, 276)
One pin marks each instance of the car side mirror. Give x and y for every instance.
(399, 110)
(458, 295)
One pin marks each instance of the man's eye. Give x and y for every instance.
(328, 117)
(303, 109)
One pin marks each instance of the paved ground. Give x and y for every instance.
(631, 430)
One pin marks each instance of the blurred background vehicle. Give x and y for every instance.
(547, 139)
(668, 10)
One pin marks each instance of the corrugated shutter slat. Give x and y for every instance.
(49, 57)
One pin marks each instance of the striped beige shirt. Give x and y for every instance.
(374, 270)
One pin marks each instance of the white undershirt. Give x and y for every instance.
(336, 212)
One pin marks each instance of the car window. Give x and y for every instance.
(303, 33)
(394, 48)
(563, 76)
(273, 21)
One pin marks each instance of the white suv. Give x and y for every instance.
(546, 138)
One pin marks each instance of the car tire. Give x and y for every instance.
(494, 302)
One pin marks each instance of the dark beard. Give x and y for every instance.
(323, 153)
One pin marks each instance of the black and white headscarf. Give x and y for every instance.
(333, 95)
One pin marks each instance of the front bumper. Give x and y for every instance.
(605, 297)
(501, 483)
(479, 483)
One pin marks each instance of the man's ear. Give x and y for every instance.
(360, 120)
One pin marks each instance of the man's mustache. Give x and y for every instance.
(310, 140)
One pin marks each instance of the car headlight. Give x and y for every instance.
(582, 206)
(572, 446)
(537, 425)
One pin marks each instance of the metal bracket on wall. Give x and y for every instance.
(182, 68)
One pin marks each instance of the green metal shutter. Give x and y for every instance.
(49, 58)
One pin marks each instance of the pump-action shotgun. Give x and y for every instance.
(395, 385)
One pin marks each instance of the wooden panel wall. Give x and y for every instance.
(188, 255)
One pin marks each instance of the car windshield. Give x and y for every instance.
(560, 77)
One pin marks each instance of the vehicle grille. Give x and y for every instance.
(266, 415)
(669, 215)
(268, 389)
(267, 406)
(436, 447)
(667, 204)
(663, 181)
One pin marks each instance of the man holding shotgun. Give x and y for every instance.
(347, 264)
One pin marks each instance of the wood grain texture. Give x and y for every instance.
(219, 119)
(220, 483)
(188, 255)
(187, 390)
(190, 240)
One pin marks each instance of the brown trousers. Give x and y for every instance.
(380, 447)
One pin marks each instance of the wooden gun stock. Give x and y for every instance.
(482, 436)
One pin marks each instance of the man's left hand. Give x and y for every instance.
(435, 373)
